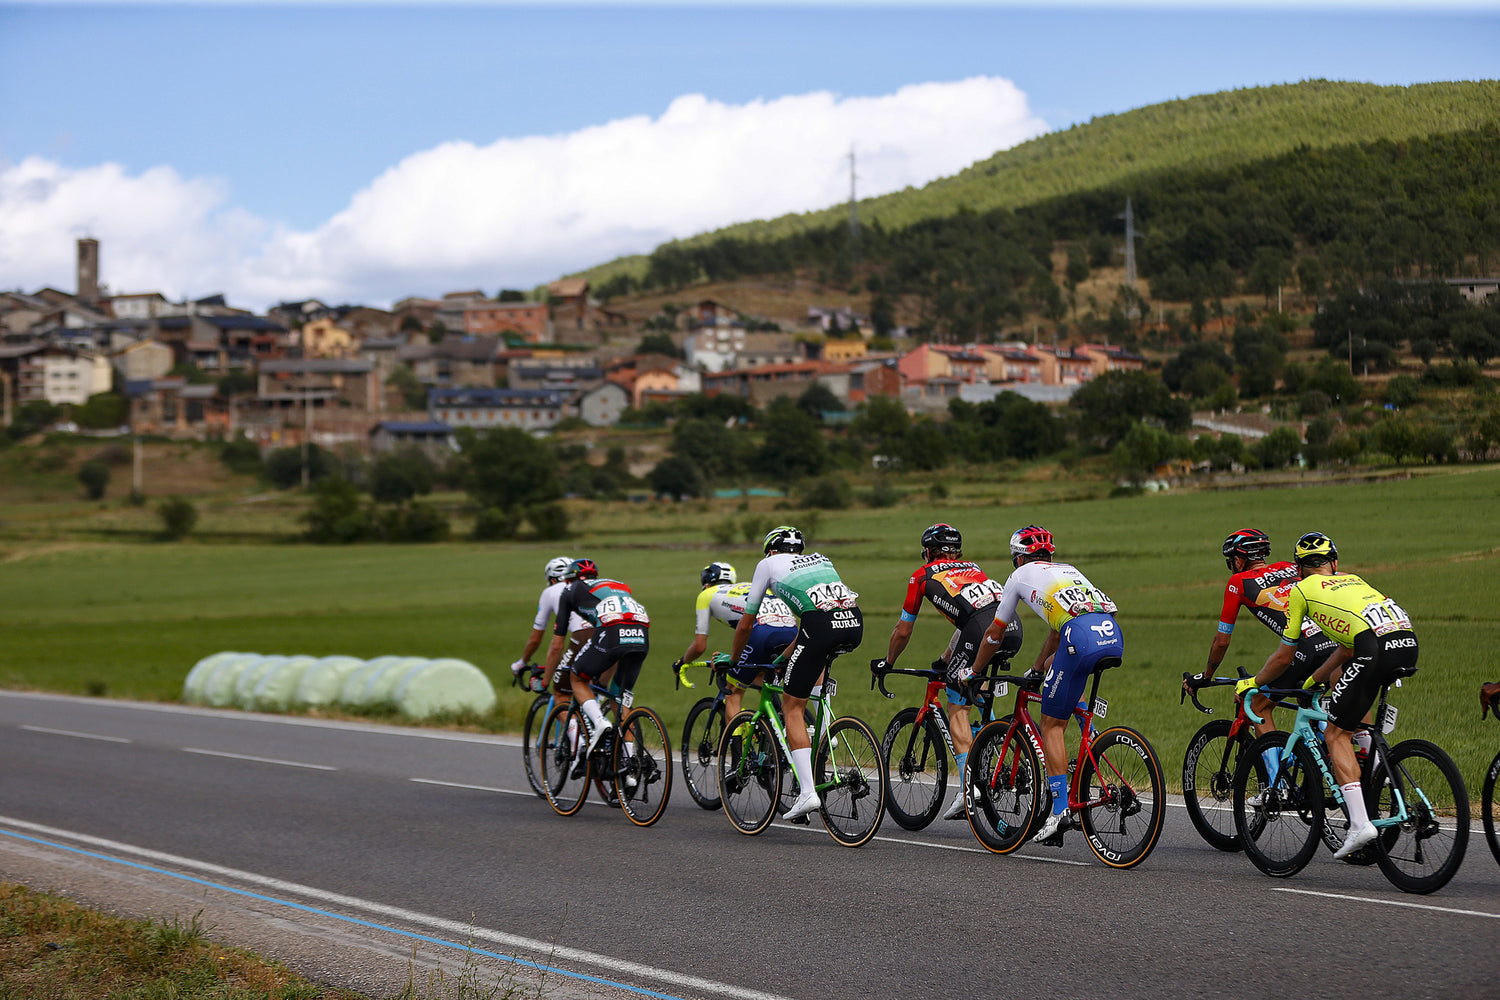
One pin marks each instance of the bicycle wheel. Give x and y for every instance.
(643, 767)
(1435, 833)
(1122, 769)
(749, 773)
(535, 715)
(1278, 822)
(916, 765)
(1006, 788)
(1336, 820)
(701, 737)
(849, 773)
(564, 739)
(1492, 807)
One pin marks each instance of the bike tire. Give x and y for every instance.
(1431, 844)
(1005, 788)
(916, 763)
(1122, 767)
(642, 767)
(564, 740)
(1208, 769)
(535, 716)
(701, 736)
(1280, 835)
(1492, 807)
(849, 772)
(749, 773)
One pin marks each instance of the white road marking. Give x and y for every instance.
(81, 736)
(936, 846)
(258, 760)
(486, 788)
(462, 930)
(1390, 902)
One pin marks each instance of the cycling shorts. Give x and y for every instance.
(765, 642)
(1083, 642)
(1376, 660)
(964, 647)
(822, 636)
(1307, 656)
(623, 645)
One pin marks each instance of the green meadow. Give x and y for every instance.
(128, 619)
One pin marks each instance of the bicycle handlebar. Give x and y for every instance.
(719, 661)
(1279, 697)
(530, 672)
(1196, 682)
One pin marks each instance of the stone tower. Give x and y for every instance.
(88, 270)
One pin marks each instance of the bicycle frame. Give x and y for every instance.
(769, 710)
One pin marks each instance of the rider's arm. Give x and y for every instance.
(532, 644)
(1227, 615)
(696, 647)
(1044, 656)
(900, 636)
(1333, 665)
(741, 636)
(702, 618)
(554, 657)
(994, 638)
(1276, 663)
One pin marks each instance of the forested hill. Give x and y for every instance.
(1210, 131)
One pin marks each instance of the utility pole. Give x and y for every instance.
(5, 392)
(306, 428)
(1129, 251)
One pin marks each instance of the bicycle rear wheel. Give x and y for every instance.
(643, 767)
(1006, 788)
(1278, 821)
(1492, 807)
(1208, 770)
(1435, 834)
(916, 769)
(561, 749)
(701, 737)
(749, 773)
(1122, 769)
(530, 737)
(849, 773)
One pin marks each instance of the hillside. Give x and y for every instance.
(1209, 131)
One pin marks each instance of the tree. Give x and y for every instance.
(1109, 405)
(506, 467)
(103, 410)
(1077, 271)
(677, 476)
(1278, 449)
(94, 475)
(716, 451)
(510, 295)
(883, 421)
(818, 399)
(658, 343)
(437, 331)
(284, 466)
(1143, 448)
(401, 474)
(177, 517)
(336, 514)
(793, 446)
(413, 392)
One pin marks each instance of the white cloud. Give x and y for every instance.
(515, 212)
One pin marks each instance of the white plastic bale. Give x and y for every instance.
(380, 687)
(322, 682)
(445, 685)
(192, 684)
(353, 691)
(275, 691)
(218, 686)
(250, 677)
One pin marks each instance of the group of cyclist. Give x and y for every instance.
(796, 615)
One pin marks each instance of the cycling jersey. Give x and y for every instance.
(726, 602)
(805, 581)
(957, 588)
(1262, 591)
(1056, 591)
(546, 609)
(599, 602)
(1342, 606)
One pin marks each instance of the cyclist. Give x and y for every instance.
(1084, 633)
(546, 610)
(964, 595)
(1375, 639)
(829, 625)
(723, 598)
(620, 639)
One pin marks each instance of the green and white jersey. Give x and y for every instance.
(726, 602)
(805, 581)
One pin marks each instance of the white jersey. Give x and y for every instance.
(1056, 591)
(546, 610)
(726, 602)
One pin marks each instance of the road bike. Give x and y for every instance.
(704, 731)
(1489, 699)
(848, 773)
(913, 748)
(1413, 793)
(537, 713)
(1115, 791)
(1211, 762)
(634, 761)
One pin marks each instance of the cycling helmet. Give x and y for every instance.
(556, 568)
(581, 568)
(942, 538)
(717, 572)
(784, 538)
(1315, 549)
(1031, 540)
(1250, 544)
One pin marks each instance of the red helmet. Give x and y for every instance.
(1030, 541)
(1250, 544)
(583, 568)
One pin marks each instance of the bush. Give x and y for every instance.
(94, 475)
(178, 516)
(676, 476)
(495, 524)
(1278, 449)
(243, 456)
(754, 528)
(884, 495)
(1402, 391)
(938, 491)
(415, 522)
(336, 515)
(284, 466)
(1313, 402)
(830, 493)
(548, 520)
(399, 475)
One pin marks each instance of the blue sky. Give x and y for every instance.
(274, 119)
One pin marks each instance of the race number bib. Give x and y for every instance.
(775, 613)
(620, 606)
(982, 594)
(1385, 617)
(1080, 600)
(828, 596)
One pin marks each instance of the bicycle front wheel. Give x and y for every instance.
(1433, 837)
(1492, 807)
(916, 769)
(530, 738)
(1279, 821)
(1121, 768)
(1005, 788)
(849, 773)
(701, 737)
(1208, 770)
(749, 773)
(564, 762)
(643, 767)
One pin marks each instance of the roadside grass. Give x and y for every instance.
(129, 620)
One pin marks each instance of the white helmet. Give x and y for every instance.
(557, 567)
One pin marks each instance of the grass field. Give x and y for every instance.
(129, 619)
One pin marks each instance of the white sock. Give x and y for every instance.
(1354, 801)
(592, 713)
(1364, 740)
(802, 764)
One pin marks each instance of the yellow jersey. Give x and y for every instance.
(1342, 606)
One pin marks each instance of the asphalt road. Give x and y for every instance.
(396, 838)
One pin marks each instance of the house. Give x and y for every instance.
(764, 383)
(55, 374)
(1064, 366)
(1005, 363)
(432, 436)
(713, 349)
(964, 364)
(325, 337)
(1109, 358)
(554, 371)
(456, 360)
(525, 409)
(292, 382)
(710, 313)
(843, 349)
(143, 360)
(174, 406)
(602, 405)
(141, 305)
(531, 320)
(645, 373)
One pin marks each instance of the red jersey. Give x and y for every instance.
(957, 588)
(1263, 591)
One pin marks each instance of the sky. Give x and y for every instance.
(364, 153)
